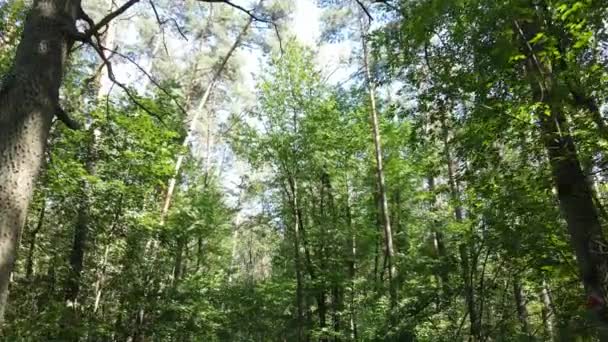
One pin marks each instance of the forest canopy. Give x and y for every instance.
(303, 170)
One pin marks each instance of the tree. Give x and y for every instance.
(41, 59)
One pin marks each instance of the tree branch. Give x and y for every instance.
(99, 49)
(240, 8)
(106, 20)
(160, 25)
(150, 77)
(365, 10)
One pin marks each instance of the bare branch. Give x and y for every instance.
(162, 22)
(387, 4)
(365, 10)
(112, 77)
(240, 8)
(160, 25)
(276, 30)
(65, 118)
(106, 20)
(178, 28)
(150, 77)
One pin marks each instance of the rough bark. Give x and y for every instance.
(27, 105)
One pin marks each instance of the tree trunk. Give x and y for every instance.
(469, 293)
(464, 249)
(322, 311)
(520, 303)
(201, 107)
(297, 261)
(438, 243)
(81, 231)
(337, 307)
(547, 311)
(29, 263)
(70, 320)
(101, 279)
(573, 191)
(179, 257)
(388, 234)
(27, 105)
(352, 266)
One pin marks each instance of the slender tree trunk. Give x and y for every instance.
(28, 102)
(438, 243)
(70, 321)
(81, 231)
(352, 266)
(337, 306)
(297, 261)
(31, 251)
(469, 293)
(322, 311)
(378, 273)
(464, 249)
(388, 234)
(101, 278)
(201, 107)
(179, 257)
(235, 238)
(82, 228)
(199, 252)
(547, 311)
(520, 303)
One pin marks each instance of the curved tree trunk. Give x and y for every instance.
(28, 101)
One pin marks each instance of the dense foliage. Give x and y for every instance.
(451, 189)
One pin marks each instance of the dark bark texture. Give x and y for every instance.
(28, 102)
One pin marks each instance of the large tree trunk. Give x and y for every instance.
(28, 102)
(573, 191)
(577, 206)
